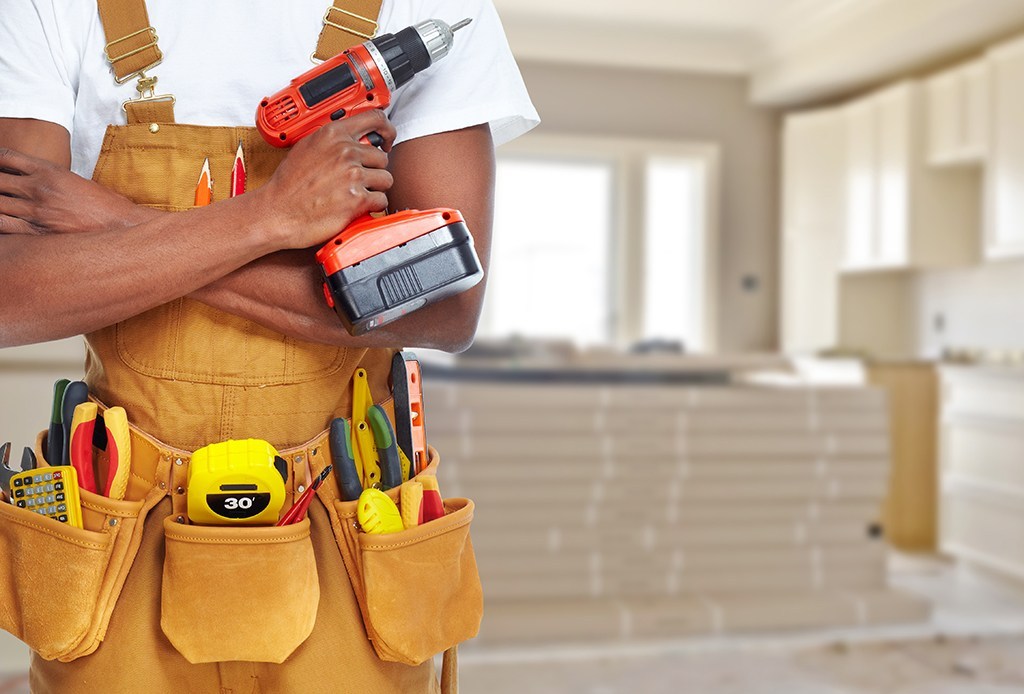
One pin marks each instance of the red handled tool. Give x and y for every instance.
(118, 452)
(297, 512)
(433, 506)
(83, 429)
(377, 270)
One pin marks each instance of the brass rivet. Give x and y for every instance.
(180, 519)
(178, 461)
(163, 485)
(113, 522)
(154, 127)
(298, 459)
(301, 488)
(180, 490)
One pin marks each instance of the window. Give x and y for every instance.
(603, 242)
(674, 304)
(552, 277)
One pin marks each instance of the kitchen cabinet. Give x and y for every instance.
(900, 214)
(1004, 233)
(909, 515)
(958, 115)
(814, 165)
(982, 467)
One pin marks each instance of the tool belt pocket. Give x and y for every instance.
(238, 593)
(58, 583)
(419, 589)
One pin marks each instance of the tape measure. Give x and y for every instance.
(236, 483)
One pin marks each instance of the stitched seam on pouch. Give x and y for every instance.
(110, 512)
(81, 543)
(239, 541)
(395, 545)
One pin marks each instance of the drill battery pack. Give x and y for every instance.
(378, 270)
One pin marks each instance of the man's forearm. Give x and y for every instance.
(283, 292)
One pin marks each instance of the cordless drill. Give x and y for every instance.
(377, 269)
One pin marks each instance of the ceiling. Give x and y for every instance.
(795, 51)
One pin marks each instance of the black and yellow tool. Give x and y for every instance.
(50, 492)
(236, 483)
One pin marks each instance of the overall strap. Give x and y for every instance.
(347, 23)
(132, 51)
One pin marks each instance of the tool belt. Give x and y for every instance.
(418, 590)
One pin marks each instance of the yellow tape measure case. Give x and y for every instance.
(236, 483)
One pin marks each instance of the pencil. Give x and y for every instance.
(204, 188)
(238, 172)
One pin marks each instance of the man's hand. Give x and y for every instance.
(330, 179)
(39, 197)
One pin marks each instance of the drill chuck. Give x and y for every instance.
(400, 56)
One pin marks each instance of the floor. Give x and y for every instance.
(974, 644)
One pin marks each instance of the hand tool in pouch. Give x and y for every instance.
(118, 452)
(377, 513)
(74, 395)
(433, 505)
(342, 459)
(362, 438)
(377, 270)
(297, 512)
(83, 429)
(410, 427)
(55, 435)
(236, 483)
(387, 449)
(50, 492)
(6, 473)
(411, 502)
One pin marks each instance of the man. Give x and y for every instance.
(209, 324)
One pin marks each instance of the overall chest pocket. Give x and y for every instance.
(187, 340)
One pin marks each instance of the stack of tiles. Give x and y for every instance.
(609, 512)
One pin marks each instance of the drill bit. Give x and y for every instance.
(459, 25)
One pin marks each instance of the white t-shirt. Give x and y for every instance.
(221, 57)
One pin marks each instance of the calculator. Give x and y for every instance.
(49, 491)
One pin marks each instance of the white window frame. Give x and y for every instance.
(629, 157)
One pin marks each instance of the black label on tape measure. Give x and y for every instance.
(238, 506)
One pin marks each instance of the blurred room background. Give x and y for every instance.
(746, 408)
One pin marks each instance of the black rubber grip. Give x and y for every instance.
(404, 53)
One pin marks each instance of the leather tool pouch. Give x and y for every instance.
(418, 590)
(238, 593)
(59, 584)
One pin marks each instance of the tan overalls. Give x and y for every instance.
(152, 593)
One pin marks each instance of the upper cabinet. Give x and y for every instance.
(814, 180)
(900, 214)
(1004, 233)
(958, 112)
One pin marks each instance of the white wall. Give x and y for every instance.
(981, 308)
(626, 103)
